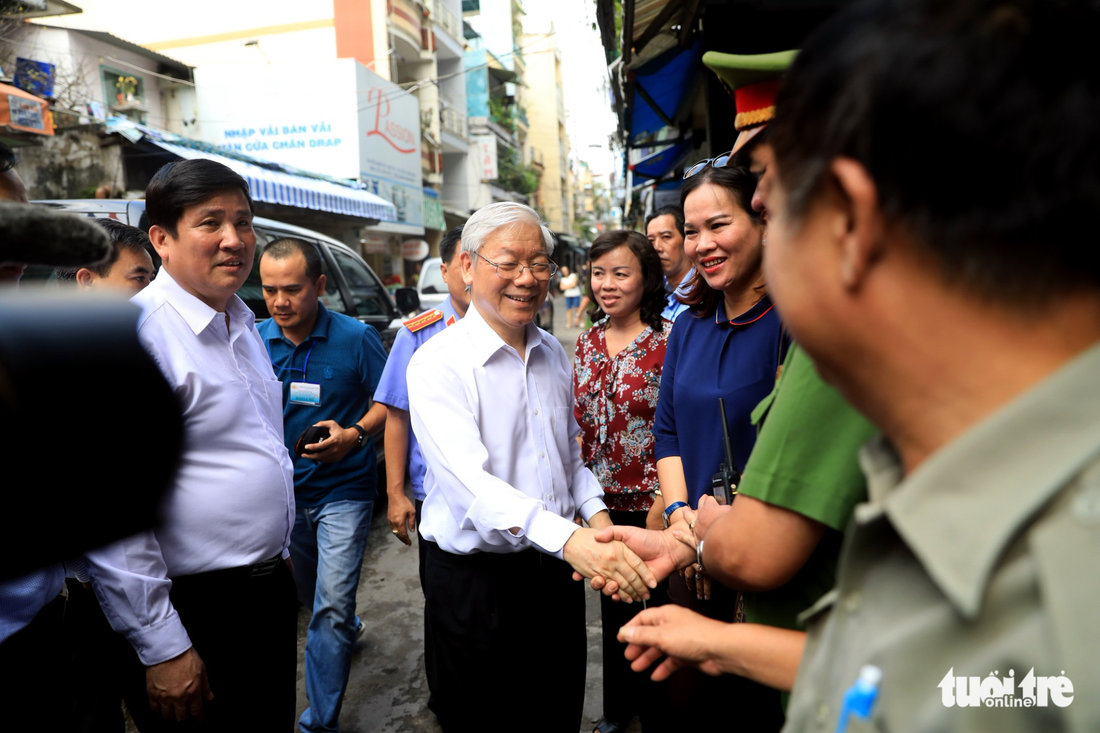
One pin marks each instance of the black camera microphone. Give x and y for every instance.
(93, 431)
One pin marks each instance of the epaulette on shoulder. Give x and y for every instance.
(423, 320)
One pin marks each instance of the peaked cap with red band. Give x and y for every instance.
(752, 81)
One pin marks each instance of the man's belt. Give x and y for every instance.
(265, 568)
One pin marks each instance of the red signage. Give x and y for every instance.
(392, 132)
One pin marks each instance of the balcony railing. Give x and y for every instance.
(447, 20)
(452, 120)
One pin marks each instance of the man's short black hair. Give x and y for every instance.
(7, 158)
(186, 183)
(123, 236)
(287, 246)
(449, 245)
(977, 120)
(675, 212)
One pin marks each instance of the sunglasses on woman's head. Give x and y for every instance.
(720, 161)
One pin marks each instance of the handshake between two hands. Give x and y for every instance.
(625, 562)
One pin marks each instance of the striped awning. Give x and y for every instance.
(276, 187)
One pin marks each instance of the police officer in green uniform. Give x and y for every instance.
(802, 480)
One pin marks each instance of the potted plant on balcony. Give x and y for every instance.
(127, 87)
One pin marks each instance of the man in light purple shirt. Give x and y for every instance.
(206, 599)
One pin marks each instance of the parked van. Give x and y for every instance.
(352, 289)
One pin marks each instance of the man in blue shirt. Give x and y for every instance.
(664, 229)
(329, 365)
(401, 447)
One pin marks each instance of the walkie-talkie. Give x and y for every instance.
(723, 485)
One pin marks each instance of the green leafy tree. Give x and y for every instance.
(502, 114)
(512, 174)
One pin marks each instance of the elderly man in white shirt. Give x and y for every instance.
(491, 404)
(206, 598)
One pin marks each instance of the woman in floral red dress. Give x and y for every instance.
(616, 380)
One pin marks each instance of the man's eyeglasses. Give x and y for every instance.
(511, 270)
(720, 161)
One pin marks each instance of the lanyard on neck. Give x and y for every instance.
(290, 360)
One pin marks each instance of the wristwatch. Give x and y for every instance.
(672, 508)
(362, 434)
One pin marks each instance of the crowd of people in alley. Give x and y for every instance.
(828, 447)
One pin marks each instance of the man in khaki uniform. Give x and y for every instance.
(932, 247)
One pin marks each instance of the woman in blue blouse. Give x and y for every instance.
(729, 344)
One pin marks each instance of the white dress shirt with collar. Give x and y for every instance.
(232, 502)
(499, 439)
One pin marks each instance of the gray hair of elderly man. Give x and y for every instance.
(501, 215)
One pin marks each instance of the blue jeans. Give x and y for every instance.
(327, 546)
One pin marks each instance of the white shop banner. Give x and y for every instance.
(486, 147)
(301, 115)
